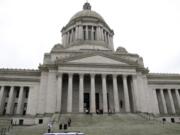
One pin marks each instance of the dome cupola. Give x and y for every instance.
(87, 30)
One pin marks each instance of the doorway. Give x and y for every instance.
(86, 101)
(97, 101)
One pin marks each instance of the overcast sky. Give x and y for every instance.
(150, 28)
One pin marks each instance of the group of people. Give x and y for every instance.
(61, 125)
(65, 125)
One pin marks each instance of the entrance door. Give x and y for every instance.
(86, 101)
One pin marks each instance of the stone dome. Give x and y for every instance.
(87, 13)
(87, 29)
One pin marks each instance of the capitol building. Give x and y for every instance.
(84, 74)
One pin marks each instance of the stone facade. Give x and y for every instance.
(84, 73)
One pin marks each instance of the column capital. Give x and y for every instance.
(59, 74)
(104, 75)
(114, 75)
(124, 76)
(92, 75)
(81, 74)
(70, 74)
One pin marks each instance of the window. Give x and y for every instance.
(40, 121)
(172, 120)
(21, 122)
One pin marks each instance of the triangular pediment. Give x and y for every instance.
(96, 59)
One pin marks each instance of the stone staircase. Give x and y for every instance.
(117, 124)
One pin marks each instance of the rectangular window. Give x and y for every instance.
(40, 121)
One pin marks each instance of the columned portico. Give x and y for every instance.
(104, 98)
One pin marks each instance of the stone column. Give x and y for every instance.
(93, 105)
(105, 38)
(178, 97)
(59, 92)
(126, 94)
(10, 101)
(98, 35)
(86, 32)
(20, 101)
(76, 33)
(116, 94)
(108, 41)
(111, 39)
(112, 46)
(171, 101)
(70, 94)
(163, 101)
(64, 39)
(81, 93)
(102, 34)
(67, 38)
(155, 109)
(135, 93)
(104, 91)
(71, 36)
(1, 98)
(80, 37)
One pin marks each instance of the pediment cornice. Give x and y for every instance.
(102, 54)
